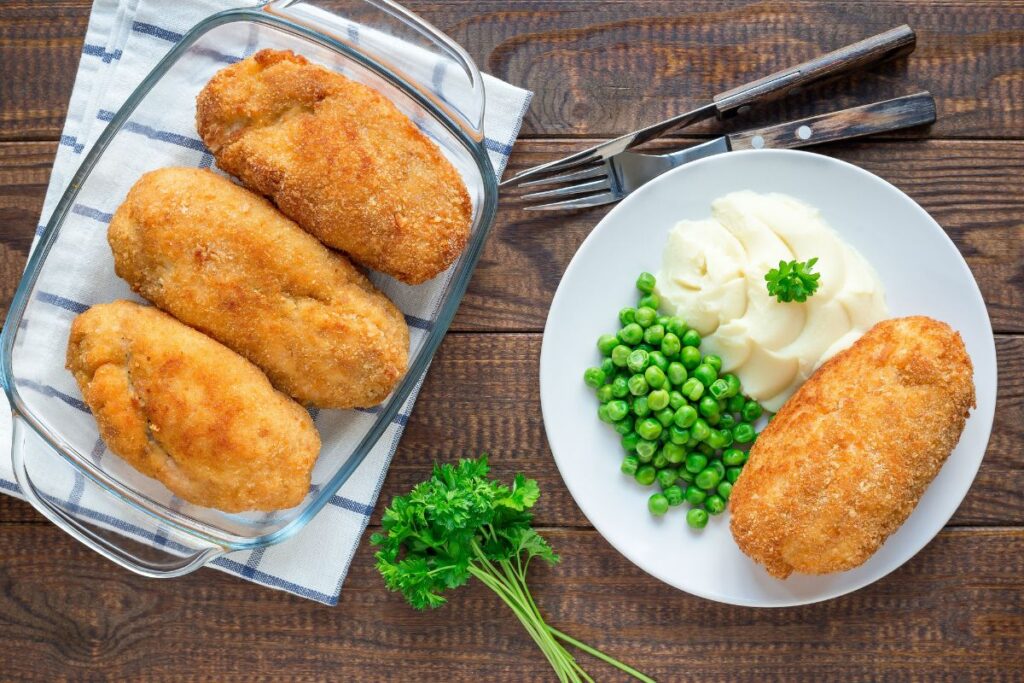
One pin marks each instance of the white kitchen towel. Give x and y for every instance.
(123, 42)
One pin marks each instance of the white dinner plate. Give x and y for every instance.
(923, 274)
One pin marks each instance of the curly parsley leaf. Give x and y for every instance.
(793, 280)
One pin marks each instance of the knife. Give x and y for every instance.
(868, 52)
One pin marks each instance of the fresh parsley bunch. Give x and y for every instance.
(793, 281)
(460, 524)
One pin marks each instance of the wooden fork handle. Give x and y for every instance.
(880, 117)
(892, 43)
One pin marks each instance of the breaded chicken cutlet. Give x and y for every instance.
(340, 159)
(846, 459)
(226, 262)
(178, 406)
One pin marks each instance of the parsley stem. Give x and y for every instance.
(602, 656)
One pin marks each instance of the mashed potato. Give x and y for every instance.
(712, 275)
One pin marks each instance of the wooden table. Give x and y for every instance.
(599, 69)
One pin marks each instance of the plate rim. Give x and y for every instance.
(988, 418)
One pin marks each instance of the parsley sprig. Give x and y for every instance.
(460, 524)
(793, 281)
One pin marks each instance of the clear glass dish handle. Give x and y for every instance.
(115, 547)
(417, 51)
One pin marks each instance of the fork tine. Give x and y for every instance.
(568, 164)
(577, 203)
(592, 172)
(580, 188)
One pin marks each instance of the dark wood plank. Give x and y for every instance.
(974, 189)
(71, 615)
(40, 44)
(482, 395)
(582, 58)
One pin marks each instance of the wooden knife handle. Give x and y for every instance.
(893, 43)
(880, 117)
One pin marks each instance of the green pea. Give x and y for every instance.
(708, 407)
(667, 477)
(727, 421)
(620, 355)
(646, 449)
(676, 373)
(645, 475)
(627, 315)
(717, 466)
(716, 439)
(715, 504)
(629, 441)
(752, 410)
(733, 457)
(708, 478)
(660, 461)
(623, 426)
(645, 283)
(697, 518)
(617, 410)
(602, 413)
(670, 345)
(674, 495)
(604, 393)
(607, 342)
(678, 435)
(608, 368)
(696, 462)
(593, 377)
(665, 416)
(724, 490)
(674, 453)
(699, 430)
(732, 474)
(631, 334)
(743, 432)
(685, 475)
(734, 385)
(649, 301)
(656, 380)
(691, 338)
(736, 403)
(714, 361)
(638, 361)
(713, 419)
(685, 416)
(694, 495)
(705, 373)
(645, 317)
(657, 399)
(676, 326)
(706, 449)
(638, 385)
(640, 407)
(676, 400)
(664, 433)
(619, 387)
(718, 388)
(649, 428)
(630, 464)
(727, 437)
(654, 335)
(657, 504)
(692, 389)
(663, 320)
(659, 361)
(689, 356)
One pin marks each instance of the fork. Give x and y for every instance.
(612, 179)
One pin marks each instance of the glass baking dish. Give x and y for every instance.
(59, 461)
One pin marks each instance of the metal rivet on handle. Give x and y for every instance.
(742, 111)
(803, 132)
(757, 142)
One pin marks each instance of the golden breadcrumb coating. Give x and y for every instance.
(178, 406)
(226, 262)
(844, 462)
(340, 159)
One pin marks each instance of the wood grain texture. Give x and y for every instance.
(481, 394)
(583, 58)
(975, 190)
(953, 613)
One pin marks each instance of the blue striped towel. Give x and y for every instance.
(124, 41)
